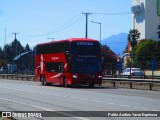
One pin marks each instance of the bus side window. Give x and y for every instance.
(55, 66)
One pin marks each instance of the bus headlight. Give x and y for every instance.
(100, 76)
(75, 76)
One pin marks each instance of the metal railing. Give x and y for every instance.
(18, 77)
(110, 79)
(131, 81)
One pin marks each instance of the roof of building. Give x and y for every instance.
(21, 55)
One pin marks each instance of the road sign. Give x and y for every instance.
(118, 65)
(153, 65)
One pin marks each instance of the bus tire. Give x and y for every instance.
(64, 82)
(48, 83)
(91, 85)
(43, 81)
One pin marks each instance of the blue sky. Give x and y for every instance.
(37, 20)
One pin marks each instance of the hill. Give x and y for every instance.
(117, 43)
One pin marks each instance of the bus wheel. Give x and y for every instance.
(43, 81)
(64, 82)
(91, 85)
(48, 84)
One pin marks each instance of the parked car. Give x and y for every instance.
(134, 72)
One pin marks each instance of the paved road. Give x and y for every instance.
(31, 96)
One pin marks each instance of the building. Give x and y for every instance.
(146, 18)
(25, 62)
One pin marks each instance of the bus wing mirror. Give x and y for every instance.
(62, 67)
(68, 56)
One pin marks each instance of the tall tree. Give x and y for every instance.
(16, 48)
(145, 51)
(7, 53)
(1, 53)
(109, 55)
(133, 37)
(27, 48)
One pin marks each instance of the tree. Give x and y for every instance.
(133, 37)
(10, 51)
(7, 53)
(145, 51)
(27, 48)
(157, 50)
(158, 33)
(109, 59)
(1, 53)
(109, 55)
(16, 48)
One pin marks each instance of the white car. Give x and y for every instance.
(134, 72)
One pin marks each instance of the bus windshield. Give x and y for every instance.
(85, 48)
(86, 65)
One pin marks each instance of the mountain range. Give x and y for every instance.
(117, 43)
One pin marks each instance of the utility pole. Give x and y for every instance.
(5, 36)
(15, 35)
(16, 43)
(86, 14)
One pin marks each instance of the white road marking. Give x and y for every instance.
(109, 103)
(125, 106)
(78, 98)
(27, 104)
(42, 108)
(142, 108)
(97, 101)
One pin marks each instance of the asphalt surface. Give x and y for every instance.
(18, 95)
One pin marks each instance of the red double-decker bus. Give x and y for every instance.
(69, 62)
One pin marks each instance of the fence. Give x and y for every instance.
(150, 84)
(150, 69)
(18, 77)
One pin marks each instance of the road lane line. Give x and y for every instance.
(27, 104)
(126, 106)
(109, 103)
(47, 93)
(78, 98)
(144, 108)
(97, 101)
(43, 108)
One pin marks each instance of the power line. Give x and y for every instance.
(121, 13)
(73, 21)
(69, 25)
(58, 29)
(110, 42)
(51, 38)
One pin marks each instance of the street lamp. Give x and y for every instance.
(100, 30)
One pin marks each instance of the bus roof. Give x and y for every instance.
(70, 40)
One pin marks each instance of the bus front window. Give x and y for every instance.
(85, 48)
(83, 65)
